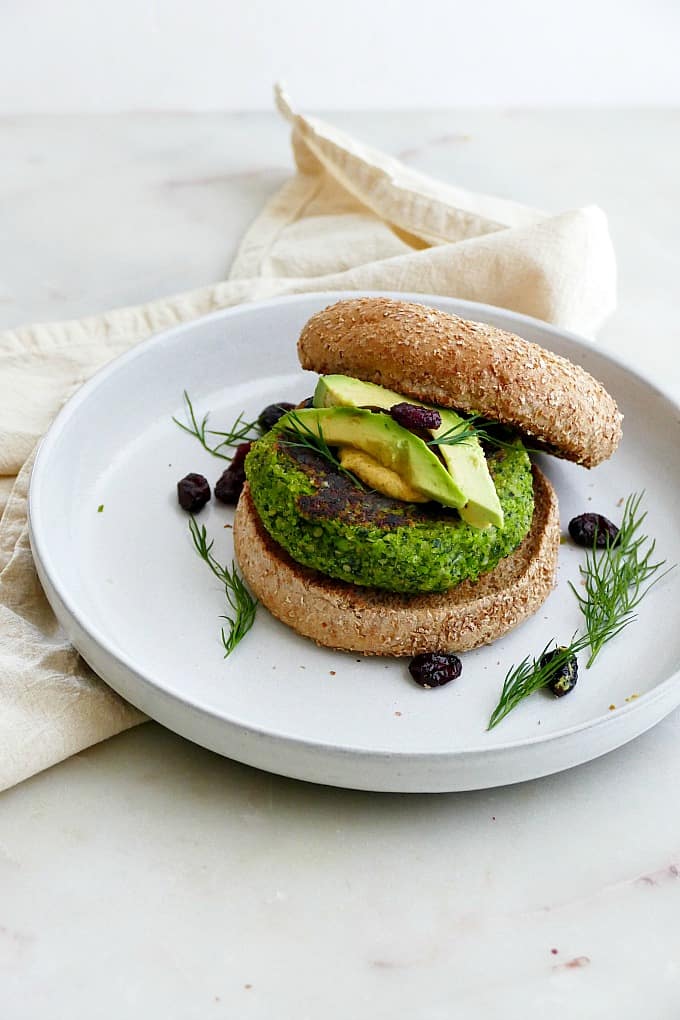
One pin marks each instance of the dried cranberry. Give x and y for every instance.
(240, 454)
(434, 669)
(593, 530)
(563, 680)
(232, 480)
(193, 492)
(269, 416)
(229, 486)
(413, 417)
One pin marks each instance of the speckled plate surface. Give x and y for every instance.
(144, 611)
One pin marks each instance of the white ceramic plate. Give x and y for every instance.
(144, 610)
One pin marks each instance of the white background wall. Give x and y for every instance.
(91, 55)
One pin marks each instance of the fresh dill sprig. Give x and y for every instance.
(616, 580)
(240, 432)
(468, 429)
(306, 438)
(239, 599)
(531, 675)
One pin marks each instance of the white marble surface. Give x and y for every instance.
(148, 877)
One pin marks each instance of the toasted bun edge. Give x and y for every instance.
(340, 615)
(471, 366)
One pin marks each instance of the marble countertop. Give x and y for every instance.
(149, 877)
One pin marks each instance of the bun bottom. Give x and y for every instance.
(373, 622)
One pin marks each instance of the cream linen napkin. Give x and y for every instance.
(351, 218)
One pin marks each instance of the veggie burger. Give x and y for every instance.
(400, 512)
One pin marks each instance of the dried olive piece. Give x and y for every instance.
(193, 492)
(269, 415)
(434, 669)
(411, 416)
(593, 529)
(565, 677)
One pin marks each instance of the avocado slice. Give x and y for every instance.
(344, 391)
(388, 443)
(465, 462)
(377, 476)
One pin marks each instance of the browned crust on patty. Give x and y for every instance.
(441, 359)
(373, 622)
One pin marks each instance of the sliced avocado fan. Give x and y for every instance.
(389, 444)
(466, 466)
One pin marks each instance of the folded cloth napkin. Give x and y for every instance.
(351, 218)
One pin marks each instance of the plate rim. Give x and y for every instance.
(43, 559)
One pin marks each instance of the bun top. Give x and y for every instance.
(470, 366)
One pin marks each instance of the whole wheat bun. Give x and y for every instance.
(373, 622)
(441, 359)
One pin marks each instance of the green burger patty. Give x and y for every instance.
(326, 522)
